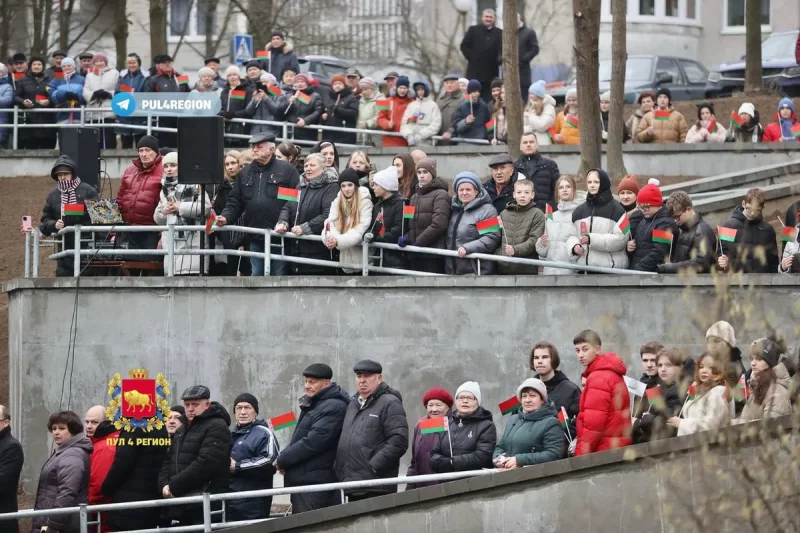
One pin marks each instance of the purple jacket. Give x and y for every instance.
(421, 456)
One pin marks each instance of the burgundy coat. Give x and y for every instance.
(421, 455)
(140, 192)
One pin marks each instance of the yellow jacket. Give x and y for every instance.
(571, 135)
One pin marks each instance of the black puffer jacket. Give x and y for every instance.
(648, 254)
(234, 106)
(693, 250)
(564, 393)
(544, 173)
(374, 438)
(342, 110)
(133, 477)
(651, 424)
(26, 89)
(11, 459)
(755, 249)
(311, 112)
(429, 225)
(162, 83)
(473, 439)
(390, 212)
(309, 458)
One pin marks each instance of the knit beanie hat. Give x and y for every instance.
(302, 77)
(339, 78)
(205, 71)
(148, 141)
(429, 165)
(629, 183)
(233, 69)
(465, 81)
(438, 394)
(267, 77)
(786, 102)
(605, 97)
(367, 83)
(535, 384)
(748, 108)
(538, 89)
(666, 92)
(572, 93)
(348, 175)
(467, 177)
(724, 331)
(767, 350)
(472, 387)
(473, 86)
(246, 397)
(387, 178)
(171, 157)
(100, 57)
(67, 61)
(650, 194)
(403, 81)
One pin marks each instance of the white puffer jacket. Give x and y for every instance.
(105, 81)
(708, 412)
(539, 124)
(427, 121)
(607, 243)
(558, 231)
(348, 243)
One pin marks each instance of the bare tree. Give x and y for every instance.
(158, 27)
(121, 31)
(752, 21)
(513, 101)
(616, 120)
(586, 18)
(42, 11)
(8, 16)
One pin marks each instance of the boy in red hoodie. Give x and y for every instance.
(604, 420)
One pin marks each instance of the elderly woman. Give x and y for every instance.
(318, 189)
(67, 92)
(181, 204)
(533, 435)
(438, 403)
(305, 108)
(235, 97)
(207, 82)
(64, 479)
(266, 106)
(471, 206)
(98, 90)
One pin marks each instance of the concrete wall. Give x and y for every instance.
(257, 335)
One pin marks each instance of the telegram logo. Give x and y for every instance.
(123, 104)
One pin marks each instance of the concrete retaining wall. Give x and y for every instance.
(257, 335)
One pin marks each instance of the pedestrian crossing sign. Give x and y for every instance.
(241, 48)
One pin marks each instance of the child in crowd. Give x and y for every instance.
(523, 224)
(769, 392)
(652, 423)
(653, 238)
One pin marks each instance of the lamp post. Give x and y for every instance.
(463, 7)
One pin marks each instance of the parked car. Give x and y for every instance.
(779, 68)
(685, 78)
(323, 68)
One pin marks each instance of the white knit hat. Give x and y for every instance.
(471, 387)
(535, 384)
(171, 157)
(748, 108)
(724, 331)
(233, 69)
(387, 178)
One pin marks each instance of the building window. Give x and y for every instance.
(647, 7)
(691, 9)
(735, 13)
(188, 18)
(671, 8)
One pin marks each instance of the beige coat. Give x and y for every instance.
(709, 412)
(672, 130)
(776, 403)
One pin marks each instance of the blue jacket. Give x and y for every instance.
(476, 130)
(255, 448)
(6, 102)
(136, 82)
(67, 93)
(278, 60)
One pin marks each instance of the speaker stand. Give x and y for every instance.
(203, 233)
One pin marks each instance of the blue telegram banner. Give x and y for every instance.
(166, 104)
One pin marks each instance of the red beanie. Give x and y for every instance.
(650, 194)
(438, 394)
(629, 183)
(338, 77)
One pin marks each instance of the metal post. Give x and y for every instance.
(170, 250)
(15, 131)
(149, 124)
(364, 258)
(35, 272)
(343, 496)
(206, 512)
(76, 265)
(84, 518)
(268, 252)
(285, 133)
(479, 267)
(83, 115)
(27, 254)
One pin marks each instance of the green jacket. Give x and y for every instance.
(533, 438)
(522, 227)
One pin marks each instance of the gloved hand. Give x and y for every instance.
(101, 95)
(402, 242)
(412, 140)
(368, 237)
(227, 115)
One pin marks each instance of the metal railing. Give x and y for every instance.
(77, 252)
(206, 499)
(287, 129)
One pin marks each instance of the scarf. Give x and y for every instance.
(68, 190)
(168, 186)
(202, 87)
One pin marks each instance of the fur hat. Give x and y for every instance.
(724, 331)
(471, 387)
(438, 394)
(650, 194)
(629, 183)
(387, 178)
(535, 384)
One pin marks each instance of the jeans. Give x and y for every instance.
(277, 268)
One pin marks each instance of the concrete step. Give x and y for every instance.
(742, 179)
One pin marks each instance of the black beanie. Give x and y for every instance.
(666, 92)
(348, 175)
(148, 141)
(247, 398)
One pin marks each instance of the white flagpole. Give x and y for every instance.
(449, 440)
(566, 422)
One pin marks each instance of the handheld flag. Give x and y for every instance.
(712, 126)
(433, 425)
(274, 90)
(692, 392)
(379, 218)
(19, 75)
(303, 97)
(789, 234)
(288, 194)
(571, 121)
(510, 405)
(551, 133)
(625, 225)
(490, 126)
(40, 99)
(283, 421)
(661, 236)
(262, 53)
(584, 228)
(741, 392)
(412, 119)
(635, 387)
(183, 79)
(383, 104)
(409, 211)
(736, 120)
(548, 210)
(796, 131)
(74, 210)
(212, 217)
(489, 225)
(238, 95)
(654, 397)
(58, 75)
(661, 115)
(562, 417)
(726, 234)
(125, 88)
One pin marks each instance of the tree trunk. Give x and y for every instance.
(513, 100)
(260, 23)
(616, 119)
(7, 14)
(752, 21)
(208, 30)
(63, 25)
(586, 18)
(121, 32)
(158, 28)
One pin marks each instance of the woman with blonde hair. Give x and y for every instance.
(224, 265)
(540, 113)
(350, 216)
(552, 246)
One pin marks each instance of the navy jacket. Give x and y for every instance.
(476, 130)
(255, 448)
(648, 254)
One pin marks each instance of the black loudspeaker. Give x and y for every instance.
(82, 145)
(200, 147)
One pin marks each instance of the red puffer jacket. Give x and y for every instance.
(139, 193)
(604, 420)
(105, 448)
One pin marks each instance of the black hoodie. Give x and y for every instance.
(754, 249)
(471, 438)
(563, 393)
(649, 254)
(342, 110)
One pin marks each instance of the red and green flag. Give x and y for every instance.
(548, 210)
(383, 104)
(409, 211)
(212, 217)
(288, 194)
(726, 234)
(183, 79)
(692, 392)
(796, 131)
(712, 126)
(303, 97)
(740, 391)
(238, 95)
(490, 126)
(489, 225)
(571, 121)
(58, 75)
(412, 119)
(283, 421)
(654, 397)
(262, 53)
(789, 234)
(40, 98)
(562, 417)
(125, 88)
(551, 133)
(625, 225)
(662, 236)
(433, 425)
(661, 115)
(274, 90)
(19, 75)
(736, 120)
(510, 405)
(74, 210)
(379, 218)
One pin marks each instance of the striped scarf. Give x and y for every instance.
(68, 190)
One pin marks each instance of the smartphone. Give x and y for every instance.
(26, 223)
(260, 86)
(373, 167)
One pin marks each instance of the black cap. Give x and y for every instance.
(18, 58)
(162, 58)
(276, 33)
(368, 366)
(246, 397)
(196, 392)
(57, 53)
(86, 55)
(318, 371)
(392, 74)
(211, 60)
(148, 141)
(501, 159)
(253, 63)
(349, 175)
(266, 137)
(352, 72)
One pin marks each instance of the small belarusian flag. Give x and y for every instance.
(654, 397)
(40, 98)
(303, 97)
(212, 217)
(551, 133)
(96, 71)
(548, 210)
(19, 75)
(625, 225)
(661, 236)
(274, 90)
(288, 194)
(125, 88)
(262, 53)
(510, 405)
(489, 225)
(383, 105)
(433, 425)
(726, 234)
(490, 126)
(183, 79)
(409, 211)
(412, 119)
(238, 95)
(796, 131)
(789, 234)
(283, 421)
(740, 391)
(379, 218)
(58, 75)
(467, 97)
(692, 392)
(712, 126)
(571, 121)
(661, 115)
(562, 417)
(736, 120)
(74, 210)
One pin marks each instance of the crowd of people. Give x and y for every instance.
(551, 418)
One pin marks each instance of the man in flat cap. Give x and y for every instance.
(199, 456)
(501, 185)
(374, 434)
(85, 62)
(308, 460)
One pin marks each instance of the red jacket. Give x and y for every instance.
(399, 106)
(139, 193)
(101, 460)
(773, 133)
(797, 50)
(604, 420)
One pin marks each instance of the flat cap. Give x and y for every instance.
(266, 137)
(58, 53)
(501, 159)
(19, 58)
(352, 72)
(196, 392)
(392, 74)
(319, 371)
(368, 366)
(208, 60)
(450, 76)
(86, 55)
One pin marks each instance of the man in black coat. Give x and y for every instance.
(501, 185)
(166, 80)
(255, 191)
(528, 50)
(754, 249)
(652, 241)
(309, 458)
(695, 245)
(199, 456)
(482, 46)
(11, 459)
(374, 433)
(30, 93)
(543, 172)
(560, 390)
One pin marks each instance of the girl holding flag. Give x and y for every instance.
(349, 219)
(565, 130)
(710, 404)
(558, 227)
(706, 129)
(474, 226)
(768, 396)
(540, 113)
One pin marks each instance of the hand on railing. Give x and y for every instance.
(369, 237)
(281, 228)
(220, 221)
